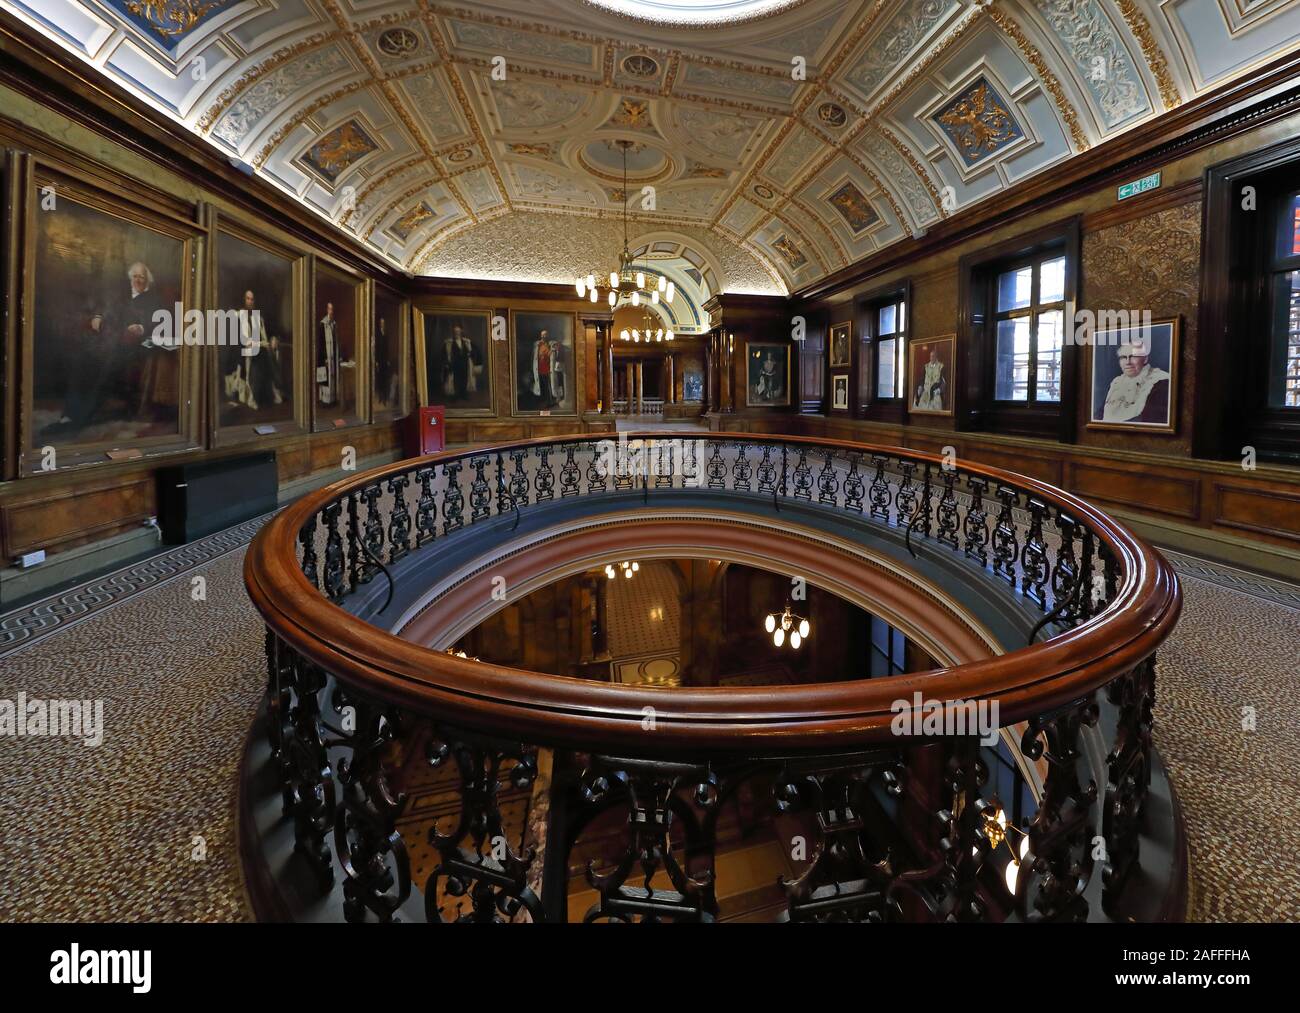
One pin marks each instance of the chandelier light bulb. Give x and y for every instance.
(654, 297)
(795, 640)
(591, 281)
(613, 279)
(804, 629)
(581, 286)
(635, 566)
(640, 279)
(594, 294)
(671, 290)
(663, 283)
(778, 637)
(669, 335)
(636, 298)
(769, 624)
(613, 298)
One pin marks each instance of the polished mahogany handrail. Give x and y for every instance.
(564, 711)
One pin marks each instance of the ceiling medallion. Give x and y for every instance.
(460, 155)
(763, 191)
(640, 65)
(832, 115)
(628, 283)
(399, 42)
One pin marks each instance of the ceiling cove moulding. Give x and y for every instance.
(806, 136)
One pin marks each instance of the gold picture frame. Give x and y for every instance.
(539, 320)
(229, 425)
(841, 340)
(931, 388)
(332, 283)
(115, 406)
(476, 326)
(759, 378)
(390, 366)
(1163, 338)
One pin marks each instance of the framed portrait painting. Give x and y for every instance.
(258, 286)
(841, 344)
(1134, 377)
(388, 356)
(338, 323)
(840, 392)
(453, 360)
(544, 369)
(106, 372)
(930, 368)
(767, 374)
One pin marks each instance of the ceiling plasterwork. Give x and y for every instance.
(779, 143)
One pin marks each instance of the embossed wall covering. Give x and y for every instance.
(1151, 263)
(798, 141)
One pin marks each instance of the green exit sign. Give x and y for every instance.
(1139, 186)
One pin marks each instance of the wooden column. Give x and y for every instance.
(607, 368)
(670, 380)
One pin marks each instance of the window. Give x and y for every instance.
(1017, 372)
(1030, 320)
(1284, 280)
(891, 349)
(1247, 362)
(882, 377)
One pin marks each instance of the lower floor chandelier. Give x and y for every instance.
(789, 626)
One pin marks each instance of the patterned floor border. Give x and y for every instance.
(29, 624)
(1270, 589)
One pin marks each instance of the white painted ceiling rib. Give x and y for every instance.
(778, 140)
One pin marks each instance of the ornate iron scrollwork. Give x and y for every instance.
(376, 867)
(480, 493)
(976, 525)
(1061, 834)
(426, 509)
(650, 791)
(453, 500)
(1128, 776)
(490, 871)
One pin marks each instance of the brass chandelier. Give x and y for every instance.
(628, 283)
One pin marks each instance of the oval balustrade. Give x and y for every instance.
(903, 828)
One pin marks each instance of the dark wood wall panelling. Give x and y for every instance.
(1142, 253)
(71, 507)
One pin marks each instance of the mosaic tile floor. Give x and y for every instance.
(113, 832)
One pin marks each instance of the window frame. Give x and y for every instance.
(1235, 315)
(1034, 310)
(976, 407)
(866, 390)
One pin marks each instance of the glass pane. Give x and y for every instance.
(1288, 228)
(885, 368)
(1051, 283)
(902, 307)
(886, 320)
(1284, 385)
(900, 366)
(1012, 381)
(1048, 386)
(1014, 289)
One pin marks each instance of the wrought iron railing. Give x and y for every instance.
(828, 750)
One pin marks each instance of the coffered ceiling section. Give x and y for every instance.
(779, 140)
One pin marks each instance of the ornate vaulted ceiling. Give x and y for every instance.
(479, 140)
